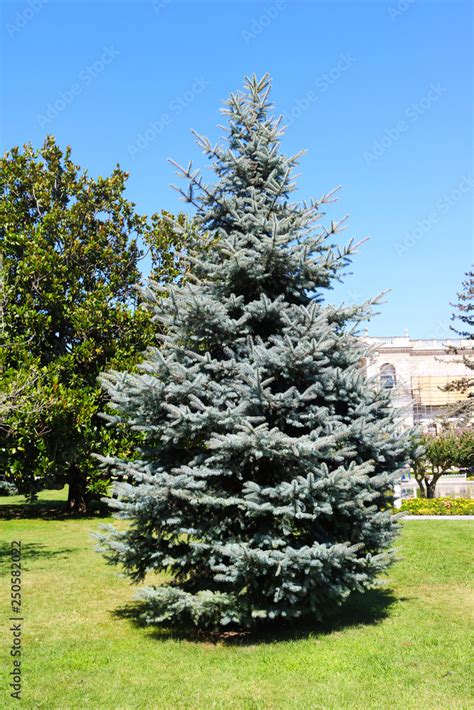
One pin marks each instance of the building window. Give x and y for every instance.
(388, 377)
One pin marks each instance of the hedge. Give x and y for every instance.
(438, 506)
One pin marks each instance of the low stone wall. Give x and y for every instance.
(454, 486)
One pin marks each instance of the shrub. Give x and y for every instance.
(438, 506)
(8, 489)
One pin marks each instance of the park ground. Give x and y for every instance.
(403, 646)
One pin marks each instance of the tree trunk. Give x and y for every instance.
(77, 498)
(432, 483)
(421, 486)
(430, 488)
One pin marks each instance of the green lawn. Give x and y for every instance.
(406, 647)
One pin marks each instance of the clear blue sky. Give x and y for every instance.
(380, 93)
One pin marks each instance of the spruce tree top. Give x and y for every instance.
(268, 458)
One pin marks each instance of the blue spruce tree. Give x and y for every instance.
(268, 459)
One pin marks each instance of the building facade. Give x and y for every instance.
(417, 372)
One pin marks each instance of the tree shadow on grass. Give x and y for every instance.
(31, 551)
(45, 509)
(361, 609)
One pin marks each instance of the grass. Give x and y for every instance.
(405, 647)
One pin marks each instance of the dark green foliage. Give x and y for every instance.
(69, 308)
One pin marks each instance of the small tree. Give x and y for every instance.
(433, 456)
(264, 480)
(442, 455)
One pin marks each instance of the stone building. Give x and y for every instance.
(417, 372)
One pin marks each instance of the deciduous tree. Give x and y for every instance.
(70, 308)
